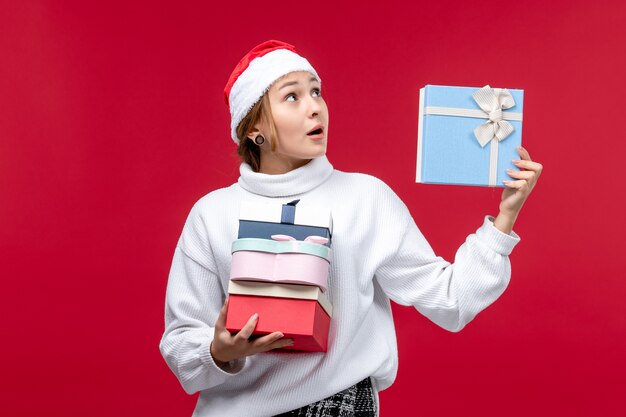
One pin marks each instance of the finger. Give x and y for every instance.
(279, 344)
(530, 165)
(246, 331)
(519, 184)
(523, 153)
(267, 340)
(220, 323)
(521, 175)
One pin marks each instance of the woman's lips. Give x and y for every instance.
(319, 136)
(319, 129)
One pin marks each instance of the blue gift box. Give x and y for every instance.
(460, 134)
(262, 220)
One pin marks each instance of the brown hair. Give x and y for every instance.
(248, 151)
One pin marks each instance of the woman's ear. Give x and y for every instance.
(254, 132)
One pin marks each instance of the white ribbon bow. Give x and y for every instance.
(492, 101)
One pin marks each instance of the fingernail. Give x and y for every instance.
(290, 343)
(255, 316)
(515, 161)
(509, 170)
(279, 335)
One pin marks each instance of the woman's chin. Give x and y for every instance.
(321, 149)
(318, 154)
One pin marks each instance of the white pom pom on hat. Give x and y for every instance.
(254, 75)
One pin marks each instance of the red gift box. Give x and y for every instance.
(304, 321)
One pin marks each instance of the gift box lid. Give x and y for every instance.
(265, 230)
(461, 97)
(293, 212)
(282, 246)
(456, 128)
(297, 291)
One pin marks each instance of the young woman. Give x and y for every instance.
(280, 123)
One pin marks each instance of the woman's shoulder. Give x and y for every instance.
(366, 189)
(219, 199)
(362, 181)
(219, 195)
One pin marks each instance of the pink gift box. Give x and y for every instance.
(283, 261)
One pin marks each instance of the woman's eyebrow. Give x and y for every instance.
(289, 83)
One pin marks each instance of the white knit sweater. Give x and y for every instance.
(378, 254)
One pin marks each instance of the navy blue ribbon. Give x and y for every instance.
(288, 213)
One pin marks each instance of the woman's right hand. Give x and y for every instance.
(226, 347)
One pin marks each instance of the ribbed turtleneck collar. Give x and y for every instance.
(293, 182)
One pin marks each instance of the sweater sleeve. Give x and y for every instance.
(193, 300)
(450, 295)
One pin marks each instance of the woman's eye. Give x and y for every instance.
(316, 92)
(290, 97)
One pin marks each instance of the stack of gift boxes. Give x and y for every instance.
(279, 270)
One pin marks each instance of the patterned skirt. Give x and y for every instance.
(356, 401)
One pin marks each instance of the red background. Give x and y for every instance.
(112, 124)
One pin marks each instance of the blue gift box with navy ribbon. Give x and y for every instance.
(262, 220)
(468, 135)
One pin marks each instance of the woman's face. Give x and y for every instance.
(301, 119)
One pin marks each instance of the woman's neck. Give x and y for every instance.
(293, 182)
(277, 166)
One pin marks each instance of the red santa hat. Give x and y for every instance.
(255, 74)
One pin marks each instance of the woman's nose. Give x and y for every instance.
(315, 107)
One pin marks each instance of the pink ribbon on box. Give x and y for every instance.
(294, 246)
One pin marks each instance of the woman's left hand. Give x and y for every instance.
(517, 191)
